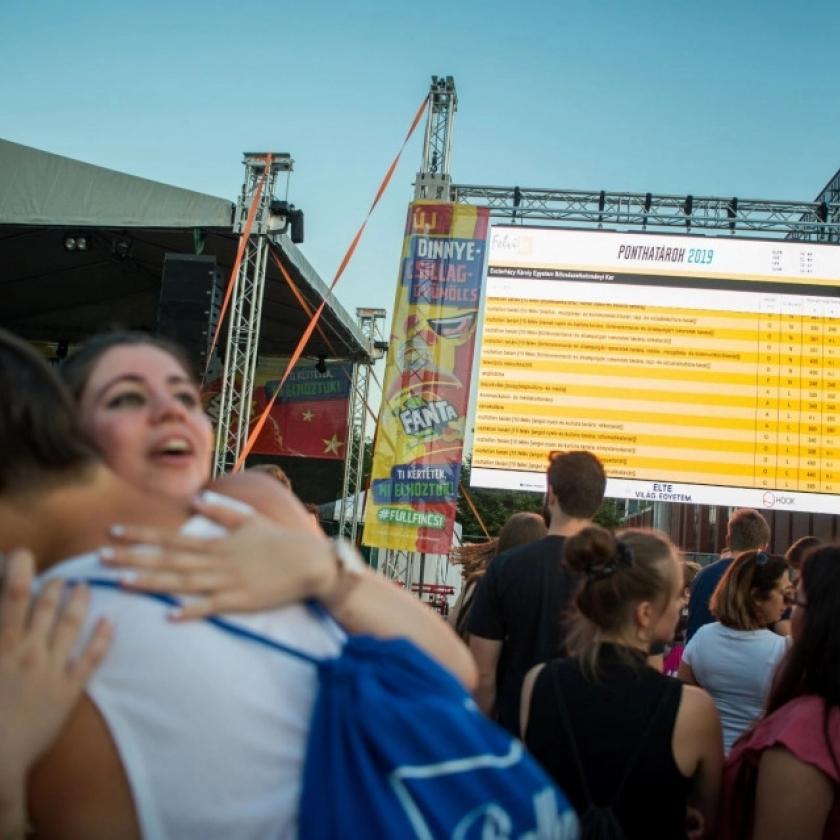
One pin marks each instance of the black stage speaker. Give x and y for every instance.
(191, 292)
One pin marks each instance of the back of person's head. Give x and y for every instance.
(747, 531)
(520, 529)
(39, 435)
(618, 574)
(799, 550)
(750, 579)
(691, 569)
(811, 664)
(578, 481)
(275, 472)
(78, 366)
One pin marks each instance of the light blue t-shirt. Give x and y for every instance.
(736, 668)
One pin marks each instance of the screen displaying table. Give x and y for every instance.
(698, 369)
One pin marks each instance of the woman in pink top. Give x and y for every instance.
(781, 779)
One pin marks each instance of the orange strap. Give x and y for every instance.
(240, 252)
(308, 310)
(474, 510)
(304, 304)
(307, 333)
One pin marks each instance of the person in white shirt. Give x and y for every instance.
(734, 658)
(186, 731)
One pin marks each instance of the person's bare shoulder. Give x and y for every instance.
(266, 495)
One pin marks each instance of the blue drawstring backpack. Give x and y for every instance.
(398, 749)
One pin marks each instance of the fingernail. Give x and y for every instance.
(128, 577)
(106, 553)
(117, 530)
(175, 615)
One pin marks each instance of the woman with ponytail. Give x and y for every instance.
(634, 750)
(782, 778)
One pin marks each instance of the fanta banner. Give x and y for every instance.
(309, 417)
(420, 435)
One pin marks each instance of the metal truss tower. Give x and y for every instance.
(433, 179)
(350, 506)
(795, 219)
(827, 210)
(243, 333)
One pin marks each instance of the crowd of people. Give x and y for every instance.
(124, 713)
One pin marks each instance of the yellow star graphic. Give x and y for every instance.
(332, 445)
(307, 416)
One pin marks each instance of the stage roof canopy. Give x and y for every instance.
(48, 293)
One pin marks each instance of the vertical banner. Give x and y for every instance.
(309, 417)
(420, 435)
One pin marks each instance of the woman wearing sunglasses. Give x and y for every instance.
(735, 657)
(782, 778)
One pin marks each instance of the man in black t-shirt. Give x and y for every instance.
(516, 617)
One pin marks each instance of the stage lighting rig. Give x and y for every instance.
(121, 246)
(77, 242)
(286, 217)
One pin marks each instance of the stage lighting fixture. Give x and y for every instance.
(77, 242)
(321, 365)
(121, 247)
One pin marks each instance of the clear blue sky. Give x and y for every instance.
(713, 98)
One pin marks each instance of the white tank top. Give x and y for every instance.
(211, 728)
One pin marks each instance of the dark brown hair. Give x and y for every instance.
(617, 573)
(747, 531)
(810, 665)
(78, 366)
(799, 550)
(750, 578)
(39, 435)
(578, 481)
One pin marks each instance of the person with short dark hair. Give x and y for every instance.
(734, 657)
(747, 530)
(516, 617)
(782, 778)
(627, 744)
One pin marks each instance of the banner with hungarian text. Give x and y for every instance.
(420, 435)
(309, 417)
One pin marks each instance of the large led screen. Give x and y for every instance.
(698, 369)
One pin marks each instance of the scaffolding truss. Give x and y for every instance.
(433, 179)
(796, 219)
(243, 334)
(827, 209)
(350, 506)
